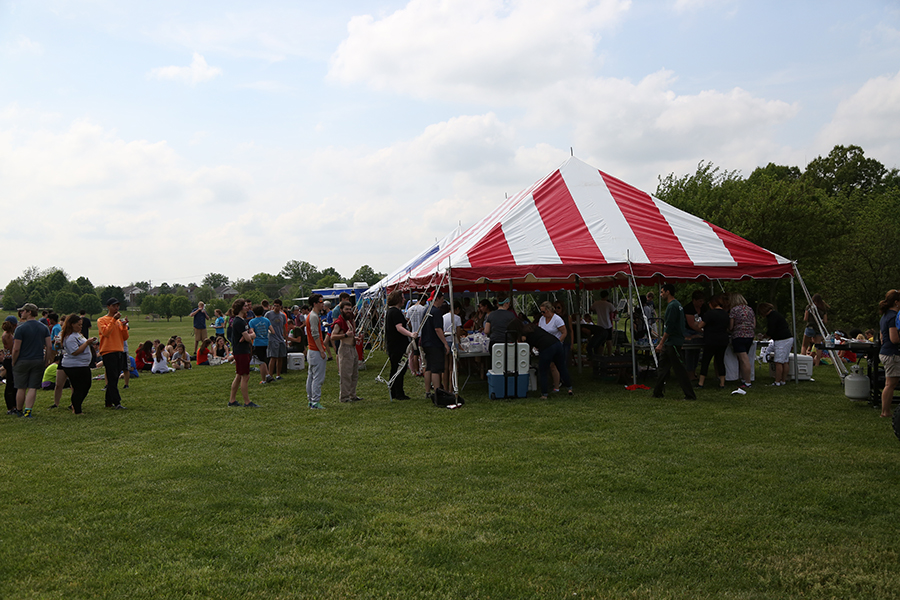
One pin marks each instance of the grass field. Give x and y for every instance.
(781, 493)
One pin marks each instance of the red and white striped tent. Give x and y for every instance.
(580, 224)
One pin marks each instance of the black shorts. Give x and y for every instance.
(260, 353)
(434, 359)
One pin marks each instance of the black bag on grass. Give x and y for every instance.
(443, 398)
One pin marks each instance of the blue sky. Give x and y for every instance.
(165, 140)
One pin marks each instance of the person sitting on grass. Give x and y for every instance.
(181, 360)
(160, 361)
(203, 352)
(144, 356)
(221, 352)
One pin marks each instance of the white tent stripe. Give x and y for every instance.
(697, 238)
(527, 237)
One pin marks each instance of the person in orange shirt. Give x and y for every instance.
(113, 333)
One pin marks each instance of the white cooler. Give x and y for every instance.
(517, 359)
(296, 361)
(804, 367)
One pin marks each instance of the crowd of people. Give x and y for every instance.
(59, 353)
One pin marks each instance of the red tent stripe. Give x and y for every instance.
(492, 250)
(654, 233)
(743, 251)
(565, 225)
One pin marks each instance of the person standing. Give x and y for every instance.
(496, 322)
(889, 354)
(9, 392)
(85, 324)
(743, 328)
(714, 325)
(344, 331)
(200, 317)
(243, 339)
(32, 352)
(396, 338)
(316, 357)
(670, 344)
(434, 345)
(219, 323)
(415, 314)
(779, 332)
(76, 360)
(260, 326)
(113, 333)
(603, 339)
(277, 349)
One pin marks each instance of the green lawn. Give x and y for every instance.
(781, 493)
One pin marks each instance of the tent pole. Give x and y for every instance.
(454, 382)
(578, 321)
(794, 329)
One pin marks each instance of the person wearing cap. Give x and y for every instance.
(113, 333)
(9, 393)
(496, 323)
(32, 353)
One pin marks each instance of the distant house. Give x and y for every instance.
(285, 291)
(226, 292)
(131, 293)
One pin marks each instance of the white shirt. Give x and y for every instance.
(553, 326)
(450, 328)
(604, 309)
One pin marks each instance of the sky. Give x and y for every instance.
(161, 141)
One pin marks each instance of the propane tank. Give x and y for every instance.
(856, 386)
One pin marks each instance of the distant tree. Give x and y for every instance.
(180, 306)
(215, 303)
(367, 274)
(300, 272)
(846, 169)
(165, 288)
(55, 279)
(36, 298)
(329, 277)
(267, 284)
(30, 274)
(164, 305)
(85, 285)
(215, 280)
(149, 305)
(205, 293)
(254, 296)
(144, 285)
(65, 303)
(14, 295)
(90, 303)
(73, 287)
(112, 291)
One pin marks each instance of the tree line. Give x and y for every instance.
(839, 219)
(52, 288)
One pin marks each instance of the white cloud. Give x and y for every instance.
(23, 45)
(474, 50)
(694, 5)
(111, 197)
(198, 72)
(869, 118)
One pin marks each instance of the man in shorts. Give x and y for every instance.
(260, 326)
(32, 353)
(277, 348)
(243, 341)
(434, 344)
(779, 332)
(200, 317)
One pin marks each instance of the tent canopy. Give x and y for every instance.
(580, 225)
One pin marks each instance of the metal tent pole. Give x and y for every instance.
(794, 328)
(578, 332)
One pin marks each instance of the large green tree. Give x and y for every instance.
(90, 304)
(215, 280)
(180, 307)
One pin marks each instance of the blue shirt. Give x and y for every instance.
(888, 348)
(220, 325)
(32, 335)
(200, 319)
(261, 326)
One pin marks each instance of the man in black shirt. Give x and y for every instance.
(434, 344)
(243, 339)
(396, 337)
(778, 330)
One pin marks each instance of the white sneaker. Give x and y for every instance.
(740, 391)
